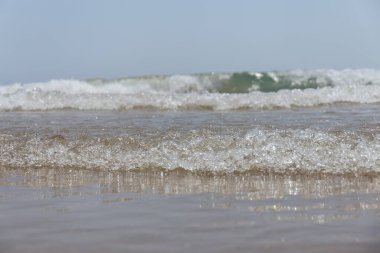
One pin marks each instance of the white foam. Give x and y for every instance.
(190, 92)
(203, 150)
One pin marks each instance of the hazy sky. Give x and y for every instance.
(46, 39)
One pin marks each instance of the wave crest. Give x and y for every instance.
(265, 90)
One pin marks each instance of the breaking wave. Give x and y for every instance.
(270, 150)
(222, 91)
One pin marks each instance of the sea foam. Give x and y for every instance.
(259, 149)
(228, 91)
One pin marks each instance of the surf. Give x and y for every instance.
(209, 91)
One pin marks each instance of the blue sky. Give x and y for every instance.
(54, 39)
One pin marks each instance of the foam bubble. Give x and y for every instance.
(259, 149)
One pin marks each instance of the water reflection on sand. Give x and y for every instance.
(262, 194)
(160, 211)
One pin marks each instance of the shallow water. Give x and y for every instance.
(290, 180)
(337, 140)
(47, 210)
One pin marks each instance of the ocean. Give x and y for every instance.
(216, 162)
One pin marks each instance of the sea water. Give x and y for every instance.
(232, 162)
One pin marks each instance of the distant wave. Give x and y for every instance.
(221, 91)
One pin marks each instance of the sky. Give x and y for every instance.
(54, 39)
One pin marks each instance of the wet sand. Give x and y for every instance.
(73, 210)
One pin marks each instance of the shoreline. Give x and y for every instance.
(47, 210)
(186, 181)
